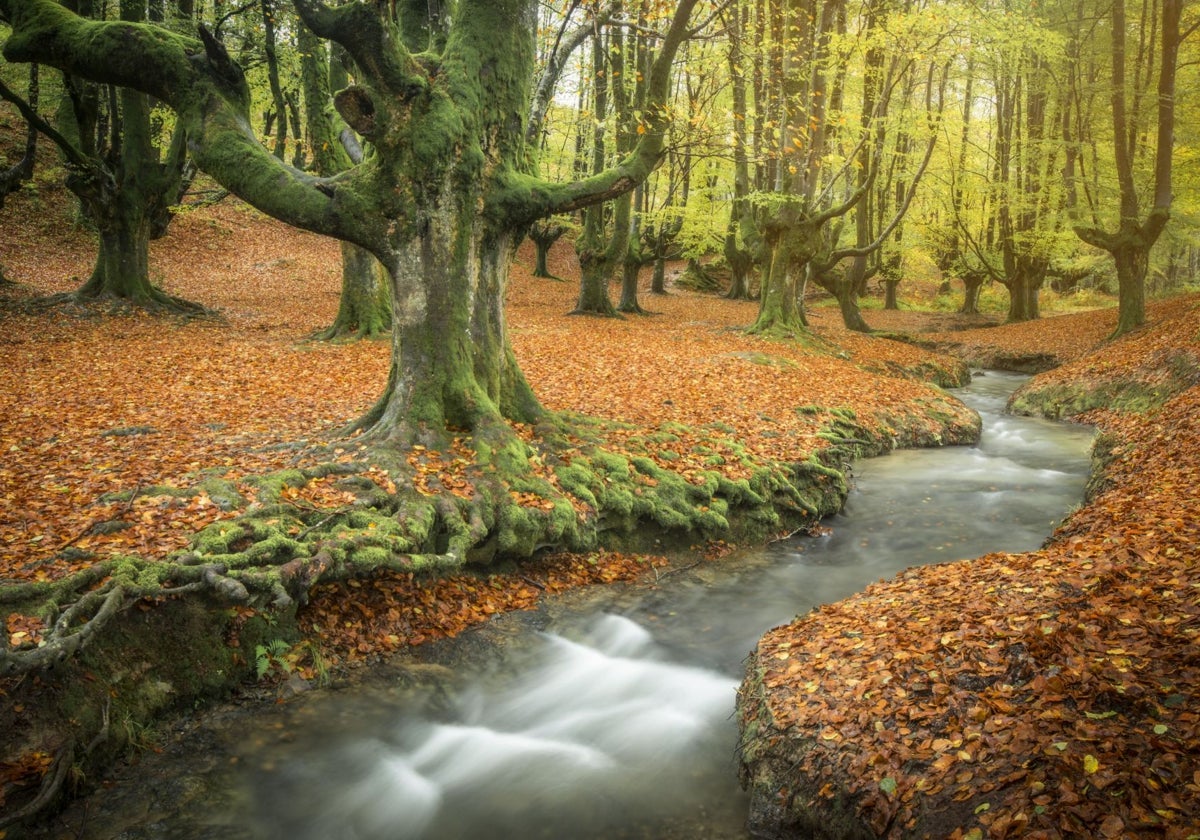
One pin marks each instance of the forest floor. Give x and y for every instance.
(93, 403)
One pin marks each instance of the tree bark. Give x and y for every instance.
(364, 306)
(544, 234)
(972, 285)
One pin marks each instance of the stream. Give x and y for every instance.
(607, 713)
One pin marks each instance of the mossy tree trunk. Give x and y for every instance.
(844, 288)
(791, 247)
(124, 185)
(365, 303)
(635, 259)
(448, 192)
(544, 233)
(129, 204)
(364, 306)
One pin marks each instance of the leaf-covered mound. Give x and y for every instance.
(1048, 694)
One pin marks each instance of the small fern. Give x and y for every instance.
(272, 653)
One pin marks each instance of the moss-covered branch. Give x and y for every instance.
(371, 40)
(200, 82)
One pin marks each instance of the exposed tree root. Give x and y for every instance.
(52, 784)
(412, 508)
(87, 305)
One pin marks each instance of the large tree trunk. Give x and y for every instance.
(122, 268)
(779, 305)
(1132, 262)
(1024, 285)
(451, 366)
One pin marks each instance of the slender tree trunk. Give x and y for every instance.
(279, 107)
(364, 307)
(972, 285)
(892, 271)
(658, 280)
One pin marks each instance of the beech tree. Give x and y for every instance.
(442, 203)
(127, 172)
(1129, 239)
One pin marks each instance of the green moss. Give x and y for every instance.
(1065, 401)
(270, 487)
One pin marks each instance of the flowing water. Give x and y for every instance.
(607, 716)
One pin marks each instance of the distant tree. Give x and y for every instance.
(1130, 237)
(18, 173)
(364, 306)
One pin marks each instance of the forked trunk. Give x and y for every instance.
(452, 366)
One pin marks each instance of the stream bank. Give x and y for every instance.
(601, 713)
(63, 725)
(1050, 693)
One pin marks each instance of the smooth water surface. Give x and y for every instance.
(615, 719)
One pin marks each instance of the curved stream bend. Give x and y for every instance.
(616, 719)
